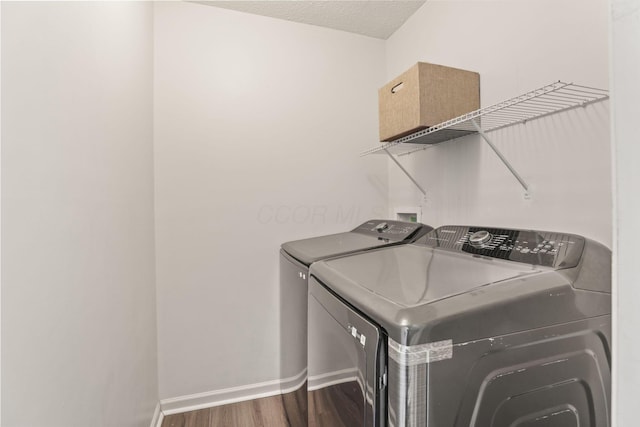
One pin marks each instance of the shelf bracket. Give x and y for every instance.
(484, 136)
(424, 193)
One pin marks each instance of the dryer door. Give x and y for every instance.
(346, 362)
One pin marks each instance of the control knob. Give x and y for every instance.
(479, 238)
(381, 227)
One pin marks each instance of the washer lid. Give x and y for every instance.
(311, 250)
(369, 235)
(411, 276)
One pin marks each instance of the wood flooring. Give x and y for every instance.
(265, 412)
(334, 406)
(286, 410)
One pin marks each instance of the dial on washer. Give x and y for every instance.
(381, 227)
(479, 238)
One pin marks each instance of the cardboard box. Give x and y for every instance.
(423, 96)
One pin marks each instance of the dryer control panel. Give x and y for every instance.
(391, 230)
(558, 250)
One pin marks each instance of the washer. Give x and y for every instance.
(469, 326)
(295, 259)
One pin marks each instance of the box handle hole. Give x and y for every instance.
(397, 87)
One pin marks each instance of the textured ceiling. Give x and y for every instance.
(374, 18)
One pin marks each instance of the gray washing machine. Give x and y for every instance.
(295, 259)
(469, 326)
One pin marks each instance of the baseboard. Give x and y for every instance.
(210, 399)
(158, 416)
(332, 378)
(290, 384)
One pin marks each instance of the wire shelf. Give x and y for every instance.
(550, 99)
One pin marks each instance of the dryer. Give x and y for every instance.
(469, 326)
(295, 259)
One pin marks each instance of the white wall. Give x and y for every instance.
(258, 128)
(78, 297)
(0, 215)
(625, 25)
(516, 46)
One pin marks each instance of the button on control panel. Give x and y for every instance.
(559, 250)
